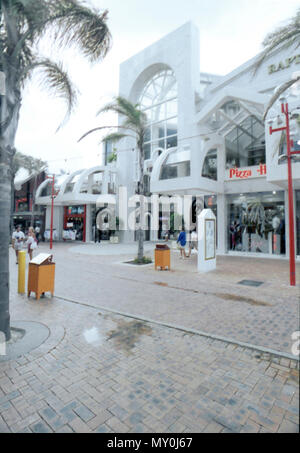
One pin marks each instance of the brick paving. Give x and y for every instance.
(102, 372)
(213, 303)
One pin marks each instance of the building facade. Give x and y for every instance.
(81, 203)
(25, 211)
(206, 141)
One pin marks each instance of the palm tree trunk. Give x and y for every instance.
(9, 108)
(142, 214)
(5, 208)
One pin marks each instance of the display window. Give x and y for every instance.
(256, 223)
(75, 223)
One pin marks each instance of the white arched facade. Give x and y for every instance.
(206, 139)
(77, 198)
(223, 152)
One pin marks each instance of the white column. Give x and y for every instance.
(88, 224)
(222, 223)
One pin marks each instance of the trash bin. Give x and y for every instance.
(41, 275)
(162, 256)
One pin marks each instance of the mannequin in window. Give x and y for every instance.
(276, 223)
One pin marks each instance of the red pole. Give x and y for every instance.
(291, 202)
(52, 206)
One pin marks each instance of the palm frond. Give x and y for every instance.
(134, 117)
(278, 93)
(105, 127)
(23, 23)
(83, 26)
(114, 137)
(54, 78)
(285, 36)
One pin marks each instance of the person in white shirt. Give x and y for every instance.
(18, 238)
(37, 231)
(193, 242)
(31, 242)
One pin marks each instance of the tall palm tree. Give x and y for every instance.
(133, 124)
(283, 37)
(22, 24)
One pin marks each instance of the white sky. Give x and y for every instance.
(231, 32)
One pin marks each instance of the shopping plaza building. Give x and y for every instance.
(206, 139)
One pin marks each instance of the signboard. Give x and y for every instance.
(210, 235)
(41, 258)
(246, 172)
(295, 59)
(75, 210)
(206, 229)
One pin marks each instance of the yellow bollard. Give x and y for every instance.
(21, 273)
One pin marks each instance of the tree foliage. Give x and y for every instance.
(23, 23)
(282, 37)
(133, 123)
(67, 23)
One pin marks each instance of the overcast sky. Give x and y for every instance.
(231, 32)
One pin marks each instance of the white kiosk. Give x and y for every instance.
(206, 241)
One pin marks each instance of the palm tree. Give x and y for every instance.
(283, 37)
(22, 24)
(134, 121)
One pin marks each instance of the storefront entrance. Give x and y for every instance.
(75, 223)
(256, 223)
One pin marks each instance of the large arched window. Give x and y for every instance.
(159, 101)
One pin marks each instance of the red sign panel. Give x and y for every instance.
(235, 173)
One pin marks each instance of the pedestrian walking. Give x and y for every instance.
(18, 239)
(193, 244)
(37, 231)
(31, 242)
(182, 243)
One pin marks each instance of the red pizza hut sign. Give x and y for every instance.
(246, 173)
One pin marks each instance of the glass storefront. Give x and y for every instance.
(256, 223)
(74, 223)
(298, 221)
(245, 145)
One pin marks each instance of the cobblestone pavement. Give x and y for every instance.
(213, 303)
(100, 372)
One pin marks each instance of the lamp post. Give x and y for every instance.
(289, 156)
(52, 208)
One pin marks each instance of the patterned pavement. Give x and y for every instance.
(102, 372)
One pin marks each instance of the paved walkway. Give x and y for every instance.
(213, 303)
(102, 372)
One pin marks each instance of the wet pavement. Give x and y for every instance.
(214, 303)
(99, 371)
